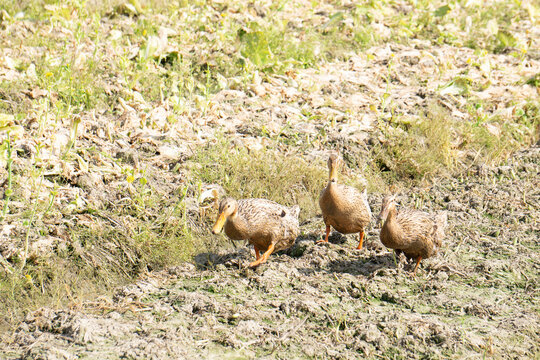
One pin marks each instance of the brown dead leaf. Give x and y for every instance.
(35, 93)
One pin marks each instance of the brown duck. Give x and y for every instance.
(415, 233)
(343, 207)
(267, 225)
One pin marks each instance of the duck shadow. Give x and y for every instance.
(239, 257)
(334, 238)
(362, 266)
(210, 260)
(305, 246)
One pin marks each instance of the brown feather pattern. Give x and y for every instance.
(344, 208)
(415, 233)
(263, 222)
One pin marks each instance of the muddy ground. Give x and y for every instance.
(477, 299)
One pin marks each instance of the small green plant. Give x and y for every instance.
(37, 174)
(73, 135)
(255, 45)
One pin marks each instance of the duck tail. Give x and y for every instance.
(295, 211)
(441, 222)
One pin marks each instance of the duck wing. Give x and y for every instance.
(262, 212)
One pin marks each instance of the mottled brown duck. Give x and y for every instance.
(343, 207)
(267, 225)
(416, 233)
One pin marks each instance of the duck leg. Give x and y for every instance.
(417, 263)
(264, 257)
(361, 240)
(326, 237)
(257, 254)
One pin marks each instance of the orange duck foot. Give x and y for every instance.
(263, 258)
(326, 237)
(361, 241)
(416, 267)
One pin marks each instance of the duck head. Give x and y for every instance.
(388, 205)
(227, 208)
(334, 164)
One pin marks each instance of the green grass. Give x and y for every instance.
(284, 178)
(119, 246)
(437, 144)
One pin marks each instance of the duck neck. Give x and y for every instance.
(236, 227)
(391, 226)
(332, 185)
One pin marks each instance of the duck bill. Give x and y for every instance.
(385, 215)
(333, 173)
(218, 226)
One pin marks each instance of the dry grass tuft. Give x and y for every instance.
(284, 178)
(437, 144)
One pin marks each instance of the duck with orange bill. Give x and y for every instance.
(265, 224)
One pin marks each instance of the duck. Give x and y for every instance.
(417, 234)
(265, 224)
(343, 207)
